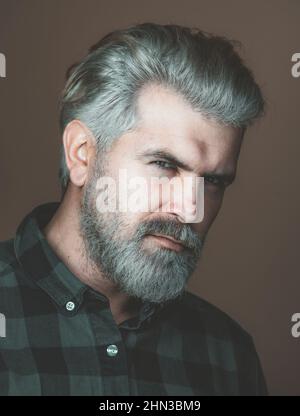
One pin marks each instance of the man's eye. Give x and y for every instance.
(163, 165)
(215, 181)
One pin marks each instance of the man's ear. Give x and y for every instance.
(78, 144)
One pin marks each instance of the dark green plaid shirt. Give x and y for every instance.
(61, 338)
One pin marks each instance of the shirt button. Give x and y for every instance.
(70, 306)
(112, 350)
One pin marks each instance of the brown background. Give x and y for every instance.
(250, 267)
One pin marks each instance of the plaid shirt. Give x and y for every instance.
(61, 338)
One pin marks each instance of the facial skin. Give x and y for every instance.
(119, 256)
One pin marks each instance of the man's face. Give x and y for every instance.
(122, 245)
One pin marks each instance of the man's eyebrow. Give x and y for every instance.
(169, 157)
(166, 155)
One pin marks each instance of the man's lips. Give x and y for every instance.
(168, 242)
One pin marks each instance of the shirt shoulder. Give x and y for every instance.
(212, 319)
(8, 260)
(12, 276)
(225, 339)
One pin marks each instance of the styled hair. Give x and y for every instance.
(102, 89)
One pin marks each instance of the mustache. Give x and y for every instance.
(171, 228)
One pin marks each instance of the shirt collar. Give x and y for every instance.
(43, 267)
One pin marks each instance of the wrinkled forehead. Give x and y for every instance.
(167, 121)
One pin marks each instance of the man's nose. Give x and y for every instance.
(185, 209)
(187, 201)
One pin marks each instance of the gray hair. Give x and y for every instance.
(102, 89)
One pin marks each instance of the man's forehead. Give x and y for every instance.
(166, 122)
(161, 108)
(166, 116)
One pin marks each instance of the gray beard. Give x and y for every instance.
(158, 275)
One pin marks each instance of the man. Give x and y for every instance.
(95, 301)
